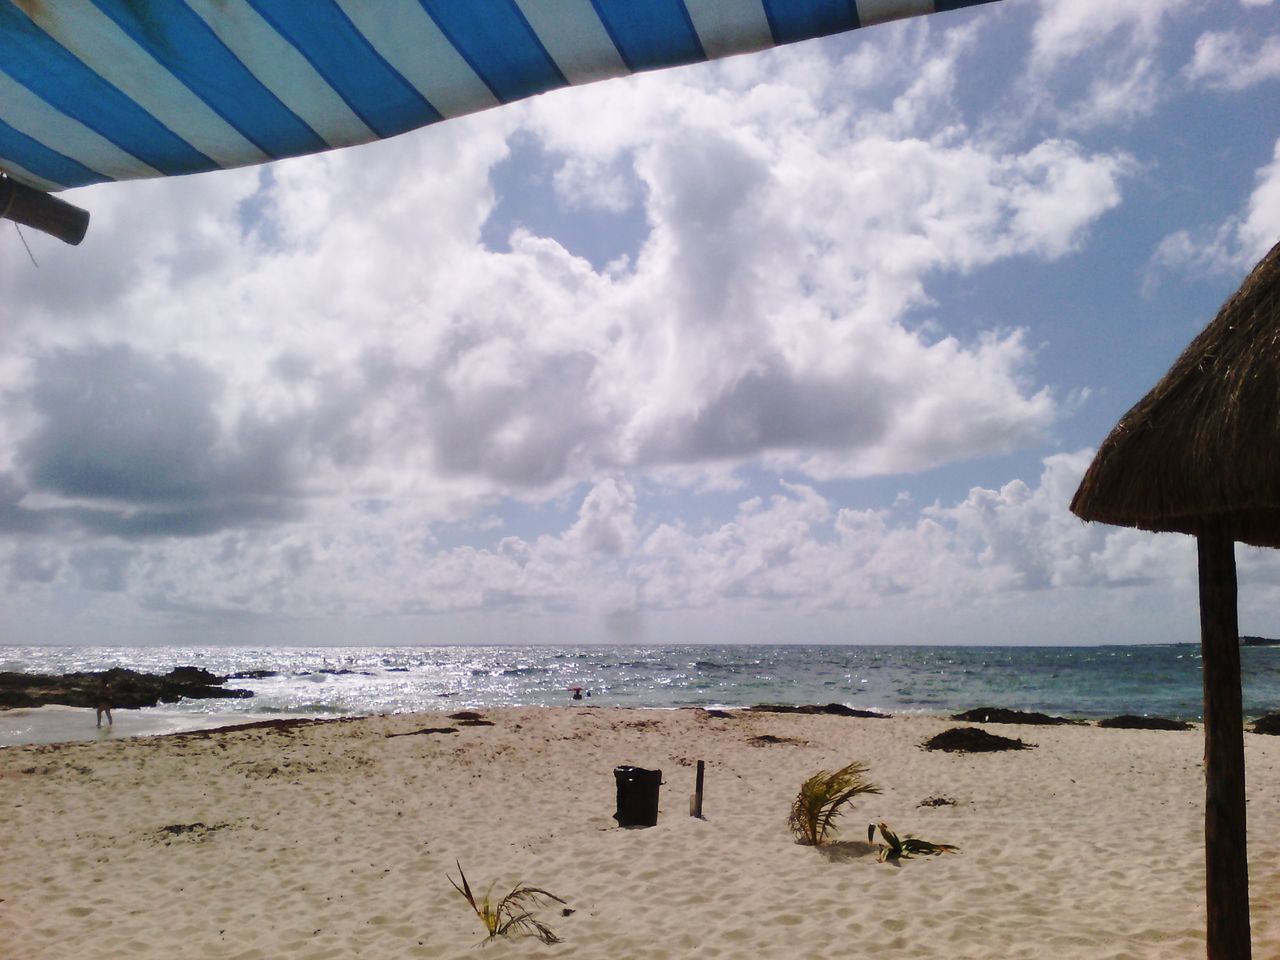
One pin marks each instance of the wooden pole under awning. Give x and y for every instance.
(1225, 836)
(42, 212)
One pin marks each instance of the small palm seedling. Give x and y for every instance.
(904, 848)
(512, 914)
(821, 796)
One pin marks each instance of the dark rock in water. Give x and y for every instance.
(1268, 724)
(834, 709)
(397, 669)
(1003, 715)
(129, 689)
(1130, 722)
(253, 674)
(196, 675)
(972, 740)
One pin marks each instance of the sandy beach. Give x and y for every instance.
(336, 839)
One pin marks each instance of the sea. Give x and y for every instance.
(1161, 680)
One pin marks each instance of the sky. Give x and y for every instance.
(805, 346)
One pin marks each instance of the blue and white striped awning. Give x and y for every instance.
(97, 90)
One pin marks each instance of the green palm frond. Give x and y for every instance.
(821, 797)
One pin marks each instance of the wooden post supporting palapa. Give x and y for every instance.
(42, 212)
(1226, 852)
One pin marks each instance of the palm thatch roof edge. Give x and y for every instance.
(1205, 442)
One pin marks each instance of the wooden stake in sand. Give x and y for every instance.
(695, 806)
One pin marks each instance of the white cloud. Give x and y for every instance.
(1118, 96)
(606, 522)
(1223, 61)
(1070, 28)
(314, 369)
(348, 296)
(1234, 245)
(794, 548)
(1109, 45)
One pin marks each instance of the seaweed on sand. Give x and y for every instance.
(972, 740)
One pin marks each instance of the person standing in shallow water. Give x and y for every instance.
(104, 702)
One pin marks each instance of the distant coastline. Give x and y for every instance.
(1259, 642)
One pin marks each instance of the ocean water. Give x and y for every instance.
(1085, 682)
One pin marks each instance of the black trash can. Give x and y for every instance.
(637, 796)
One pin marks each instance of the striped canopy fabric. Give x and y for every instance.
(99, 90)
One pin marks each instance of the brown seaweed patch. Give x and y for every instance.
(193, 831)
(1130, 722)
(768, 739)
(972, 740)
(1269, 724)
(1005, 715)
(283, 725)
(424, 730)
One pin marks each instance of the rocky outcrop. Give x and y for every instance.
(833, 709)
(129, 689)
(1259, 642)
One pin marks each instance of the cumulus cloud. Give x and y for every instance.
(264, 394)
(794, 547)
(606, 522)
(131, 446)
(413, 356)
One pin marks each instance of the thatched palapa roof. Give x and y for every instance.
(1205, 442)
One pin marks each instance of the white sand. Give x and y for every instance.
(334, 841)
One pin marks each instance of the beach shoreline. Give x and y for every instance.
(56, 723)
(336, 840)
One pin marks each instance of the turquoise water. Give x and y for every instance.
(1088, 682)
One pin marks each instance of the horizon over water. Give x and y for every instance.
(1085, 682)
